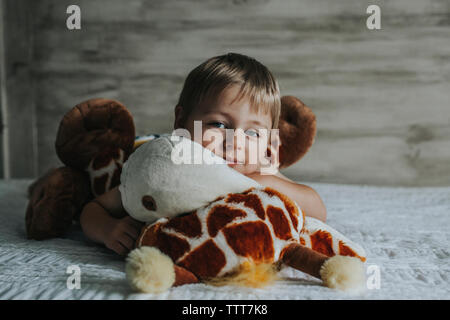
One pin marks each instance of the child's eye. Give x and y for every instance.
(252, 133)
(217, 124)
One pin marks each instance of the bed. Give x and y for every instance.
(405, 232)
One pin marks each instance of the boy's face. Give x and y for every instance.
(246, 144)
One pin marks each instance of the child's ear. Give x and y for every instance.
(178, 123)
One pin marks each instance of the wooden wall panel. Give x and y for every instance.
(19, 105)
(381, 97)
(3, 133)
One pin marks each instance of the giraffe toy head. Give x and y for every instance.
(171, 175)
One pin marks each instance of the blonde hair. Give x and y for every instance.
(210, 78)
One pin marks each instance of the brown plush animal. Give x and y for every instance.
(97, 136)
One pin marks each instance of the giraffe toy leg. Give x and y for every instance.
(151, 271)
(324, 239)
(338, 272)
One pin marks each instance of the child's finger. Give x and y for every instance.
(127, 242)
(137, 224)
(132, 231)
(119, 249)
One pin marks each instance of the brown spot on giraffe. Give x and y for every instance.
(149, 234)
(188, 225)
(321, 241)
(279, 222)
(258, 246)
(154, 236)
(250, 201)
(173, 246)
(219, 216)
(212, 257)
(345, 250)
(288, 203)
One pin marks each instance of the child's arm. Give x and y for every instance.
(306, 197)
(104, 220)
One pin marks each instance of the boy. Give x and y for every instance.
(231, 91)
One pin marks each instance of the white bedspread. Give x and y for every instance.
(405, 232)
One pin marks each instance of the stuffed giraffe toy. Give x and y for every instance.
(238, 238)
(235, 231)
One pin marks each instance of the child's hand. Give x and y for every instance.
(122, 234)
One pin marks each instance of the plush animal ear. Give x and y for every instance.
(93, 131)
(96, 136)
(297, 130)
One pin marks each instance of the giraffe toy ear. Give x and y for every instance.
(161, 178)
(297, 127)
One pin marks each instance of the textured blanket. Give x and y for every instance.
(405, 232)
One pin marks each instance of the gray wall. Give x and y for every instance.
(2, 90)
(381, 97)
